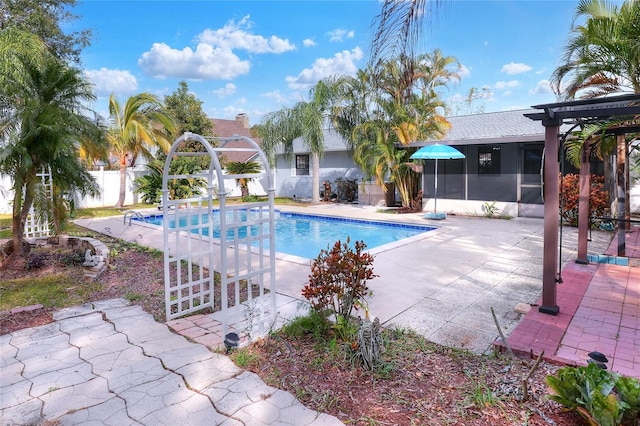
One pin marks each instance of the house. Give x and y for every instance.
(503, 164)
(238, 127)
(503, 160)
(294, 178)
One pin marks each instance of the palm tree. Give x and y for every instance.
(243, 168)
(601, 57)
(43, 123)
(399, 27)
(305, 120)
(134, 129)
(398, 103)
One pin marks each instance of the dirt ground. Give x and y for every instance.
(429, 384)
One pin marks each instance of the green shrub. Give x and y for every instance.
(601, 397)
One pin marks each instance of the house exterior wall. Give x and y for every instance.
(463, 189)
(333, 165)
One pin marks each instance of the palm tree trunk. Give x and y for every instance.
(315, 191)
(21, 209)
(123, 180)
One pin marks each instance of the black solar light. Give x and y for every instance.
(231, 341)
(598, 359)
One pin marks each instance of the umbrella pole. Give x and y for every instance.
(435, 195)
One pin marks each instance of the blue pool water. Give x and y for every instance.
(305, 235)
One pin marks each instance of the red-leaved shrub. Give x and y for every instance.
(338, 280)
(569, 197)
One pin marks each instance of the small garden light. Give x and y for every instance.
(598, 359)
(231, 341)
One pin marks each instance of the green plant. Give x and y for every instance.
(133, 297)
(490, 209)
(73, 257)
(601, 397)
(35, 260)
(313, 323)
(628, 389)
(245, 358)
(481, 394)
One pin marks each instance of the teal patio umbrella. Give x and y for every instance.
(436, 152)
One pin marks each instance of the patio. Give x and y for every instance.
(599, 311)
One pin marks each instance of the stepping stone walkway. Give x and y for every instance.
(110, 363)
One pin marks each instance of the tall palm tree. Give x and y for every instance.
(134, 129)
(43, 116)
(307, 120)
(243, 168)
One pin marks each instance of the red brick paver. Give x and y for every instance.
(599, 311)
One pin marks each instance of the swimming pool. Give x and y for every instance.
(305, 235)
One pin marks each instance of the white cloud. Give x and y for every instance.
(107, 81)
(464, 72)
(515, 68)
(507, 93)
(236, 36)
(276, 96)
(542, 88)
(342, 63)
(307, 42)
(228, 90)
(206, 62)
(339, 34)
(241, 101)
(505, 84)
(214, 56)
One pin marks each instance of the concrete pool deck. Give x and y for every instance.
(443, 284)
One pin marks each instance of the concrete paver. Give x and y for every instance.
(111, 363)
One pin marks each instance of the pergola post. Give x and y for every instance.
(583, 205)
(551, 218)
(620, 192)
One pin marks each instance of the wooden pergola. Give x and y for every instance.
(552, 116)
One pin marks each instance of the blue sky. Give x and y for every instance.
(254, 57)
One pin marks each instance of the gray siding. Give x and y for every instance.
(333, 165)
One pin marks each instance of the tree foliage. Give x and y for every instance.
(243, 168)
(44, 121)
(46, 19)
(602, 55)
(134, 129)
(187, 112)
(398, 28)
(305, 120)
(385, 108)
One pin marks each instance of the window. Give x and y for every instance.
(489, 160)
(302, 165)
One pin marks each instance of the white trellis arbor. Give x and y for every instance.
(38, 222)
(223, 259)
